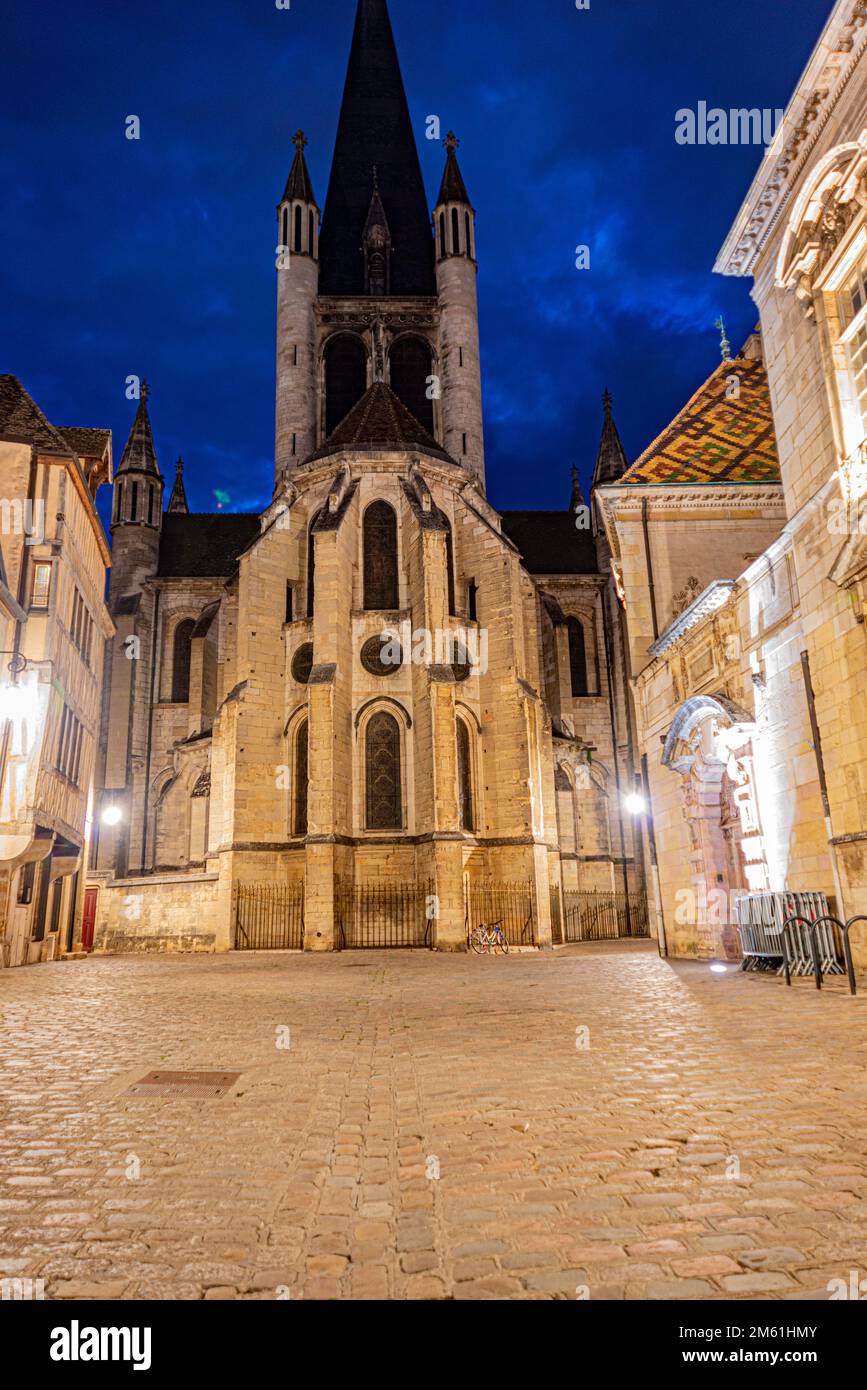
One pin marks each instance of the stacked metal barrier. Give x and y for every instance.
(760, 920)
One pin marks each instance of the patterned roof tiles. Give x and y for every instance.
(718, 437)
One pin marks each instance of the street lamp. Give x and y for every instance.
(635, 804)
(112, 815)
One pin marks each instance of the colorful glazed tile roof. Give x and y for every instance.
(717, 437)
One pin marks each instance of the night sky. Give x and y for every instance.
(156, 257)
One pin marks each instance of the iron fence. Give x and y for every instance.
(269, 916)
(600, 916)
(556, 916)
(378, 916)
(511, 905)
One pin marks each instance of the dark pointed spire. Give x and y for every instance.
(611, 460)
(139, 454)
(577, 494)
(452, 189)
(299, 185)
(375, 129)
(178, 499)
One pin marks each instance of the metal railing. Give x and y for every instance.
(777, 928)
(381, 916)
(600, 916)
(268, 916)
(513, 905)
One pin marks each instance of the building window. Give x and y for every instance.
(56, 901)
(81, 630)
(133, 506)
(466, 808)
(150, 504)
(473, 601)
(310, 232)
(290, 604)
(311, 565)
(456, 232)
(450, 567)
(577, 657)
(298, 230)
(380, 557)
(345, 378)
(852, 307)
(301, 779)
(469, 235)
(118, 499)
(443, 247)
(382, 773)
(40, 590)
(69, 746)
(181, 653)
(285, 241)
(26, 879)
(410, 369)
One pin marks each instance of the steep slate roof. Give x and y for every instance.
(139, 453)
(204, 545)
(375, 130)
(86, 443)
(452, 189)
(380, 421)
(299, 185)
(550, 542)
(715, 439)
(22, 422)
(611, 460)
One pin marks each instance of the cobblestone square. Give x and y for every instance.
(594, 1123)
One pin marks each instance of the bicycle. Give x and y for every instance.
(484, 940)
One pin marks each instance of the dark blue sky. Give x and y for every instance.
(156, 257)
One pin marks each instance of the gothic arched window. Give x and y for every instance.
(181, 651)
(410, 364)
(577, 657)
(285, 241)
(456, 232)
(311, 565)
(466, 808)
(298, 229)
(384, 805)
(301, 779)
(380, 557)
(469, 236)
(345, 378)
(310, 232)
(450, 566)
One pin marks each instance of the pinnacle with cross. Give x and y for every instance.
(300, 141)
(451, 141)
(606, 400)
(145, 391)
(725, 345)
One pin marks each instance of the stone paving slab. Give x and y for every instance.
(593, 1123)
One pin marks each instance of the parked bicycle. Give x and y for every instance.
(484, 940)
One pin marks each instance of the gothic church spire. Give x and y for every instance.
(611, 460)
(375, 130)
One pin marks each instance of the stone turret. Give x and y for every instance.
(297, 288)
(460, 367)
(137, 511)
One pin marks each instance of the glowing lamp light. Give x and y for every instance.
(112, 815)
(16, 702)
(635, 804)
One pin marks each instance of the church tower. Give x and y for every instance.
(460, 367)
(297, 287)
(137, 511)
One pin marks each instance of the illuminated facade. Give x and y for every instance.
(53, 629)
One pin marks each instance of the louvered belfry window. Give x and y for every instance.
(302, 778)
(384, 801)
(380, 557)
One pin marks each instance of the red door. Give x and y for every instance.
(89, 918)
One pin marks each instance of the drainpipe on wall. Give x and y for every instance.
(649, 564)
(823, 781)
(154, 649)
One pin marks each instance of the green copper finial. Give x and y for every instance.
(725, 345)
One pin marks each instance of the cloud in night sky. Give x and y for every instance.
(156, 257)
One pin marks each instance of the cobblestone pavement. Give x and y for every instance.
(435, 1129)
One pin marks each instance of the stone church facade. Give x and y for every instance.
(381, 680)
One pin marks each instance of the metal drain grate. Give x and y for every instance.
(193, 1085)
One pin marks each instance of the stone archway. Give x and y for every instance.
(710, 746)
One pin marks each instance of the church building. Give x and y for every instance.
(381, 709)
